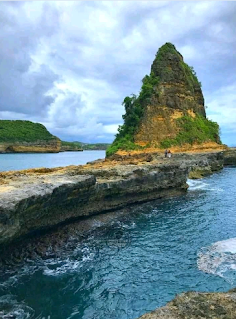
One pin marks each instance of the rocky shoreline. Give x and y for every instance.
(197, 305)
(37, 199)
(230, 157)
(43, 199)
(40, 146)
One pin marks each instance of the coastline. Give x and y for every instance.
(40, 199)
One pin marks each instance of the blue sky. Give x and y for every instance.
(69, 65)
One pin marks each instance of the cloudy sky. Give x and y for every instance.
(69, 65)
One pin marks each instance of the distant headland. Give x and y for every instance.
(18, 136)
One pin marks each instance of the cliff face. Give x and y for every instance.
(230, 157)
(169, 110)
(25, 136)
(178, 93)
(40, 198)
(41, 146)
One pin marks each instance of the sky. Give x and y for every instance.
(69, 65)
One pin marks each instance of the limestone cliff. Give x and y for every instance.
(169, 109)
(36, 199)
(25, 136)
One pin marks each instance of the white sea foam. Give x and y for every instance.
(66, 267)
(130, 226)
(200, 185)
(97, 224)
(219, 259)
(14, 309)
(56, 267)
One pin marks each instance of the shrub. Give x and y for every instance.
(193, 130)
(134, 108)
(123, 143)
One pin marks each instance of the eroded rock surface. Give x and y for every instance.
(195, 305)
(230, 157)
(51, 146)
(32, 201)
(177, 94)
(41, 198)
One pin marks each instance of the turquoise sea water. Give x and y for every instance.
(29, 160)
(128, 265)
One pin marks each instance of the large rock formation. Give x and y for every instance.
(177, 93)
(169, 110)
(27, 137)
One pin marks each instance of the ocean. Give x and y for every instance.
(126, 263)
(34, 160)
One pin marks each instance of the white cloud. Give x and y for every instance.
(222, 107)
(78, 60)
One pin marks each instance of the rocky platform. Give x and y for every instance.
(194, 305)
(40, 146)
(32, 200)
(230, 157)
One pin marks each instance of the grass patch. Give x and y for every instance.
(193, 130)
(124, 144)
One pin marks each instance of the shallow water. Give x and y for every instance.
(132, 261)
(10, 162)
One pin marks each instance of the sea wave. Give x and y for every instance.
(200, 185)
(11, 308)
(57, 267)
(219, 259)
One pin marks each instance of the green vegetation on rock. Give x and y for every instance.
(193, 130)
(134, 108)
(85, 146)
(94, 146)
(172, 85)
(23, 131)
(71, 145)
(161, 66)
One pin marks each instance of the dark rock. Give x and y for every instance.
(230, 157)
